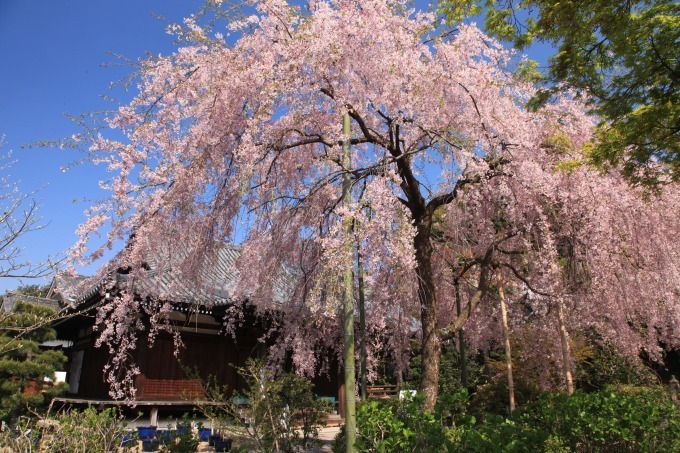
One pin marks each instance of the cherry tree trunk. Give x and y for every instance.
(506, 340)
(566, 352)
(431, 344)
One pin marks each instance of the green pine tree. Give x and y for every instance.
(23, 364)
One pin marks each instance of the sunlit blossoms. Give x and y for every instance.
(239, 138)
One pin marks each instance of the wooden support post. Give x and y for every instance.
(506, 341)
(153, 419)
(362, 327)
(462, 360)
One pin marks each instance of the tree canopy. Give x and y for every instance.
(453, 178)
(622, 55)
(23, 365)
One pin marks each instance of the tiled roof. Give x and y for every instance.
(71, 290)
(213, 285)
(10, 299)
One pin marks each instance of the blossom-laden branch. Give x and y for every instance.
(19, 217)
(249, 146)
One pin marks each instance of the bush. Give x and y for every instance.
(403, 425)
(182, 439)
(88, 431)
(492, 397)
(610, 420)
(340, 441)
(23, 437)
(282, 413)
(598, 365)
(642, 420)
(616, 419)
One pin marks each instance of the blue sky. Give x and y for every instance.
(54, 61)
(51, 55)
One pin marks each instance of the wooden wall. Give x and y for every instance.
(163, 375)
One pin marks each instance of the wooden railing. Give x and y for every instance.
(382, 391)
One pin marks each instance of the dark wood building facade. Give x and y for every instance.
(207, 350)
(163, 376)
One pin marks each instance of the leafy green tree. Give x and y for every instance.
(450, 379)
(33, 290)
(622, 54)
(23, 365)
(599, 365)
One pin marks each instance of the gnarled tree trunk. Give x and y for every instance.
(431, 343)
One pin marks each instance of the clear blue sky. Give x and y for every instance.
(53, 56)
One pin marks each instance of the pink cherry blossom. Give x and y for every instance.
(240, 137)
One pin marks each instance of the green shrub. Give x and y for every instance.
(87, 431)
(453, 408)
(633, 421)
(340, 441)
(400, 425)
(22, 437)
(599, 365)
(282, 413)
(183, 438)
(628, 419)
(492, 397)
(610, 420)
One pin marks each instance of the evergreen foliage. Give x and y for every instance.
(599, 365)
(450, 380)
(23, 364)
(34, 290)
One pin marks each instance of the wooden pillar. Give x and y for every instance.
(566, 352)
(506, 341)
(153, 419)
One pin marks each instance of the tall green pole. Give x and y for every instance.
(348, 299)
